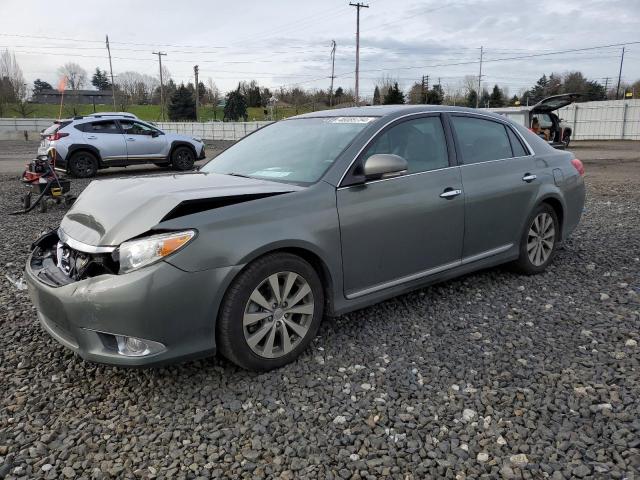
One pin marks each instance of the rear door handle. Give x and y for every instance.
(129, 139)
(91, 137)
(450, 193)
(529, 177)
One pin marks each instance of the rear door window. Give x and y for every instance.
(104, 126)
(481, 140)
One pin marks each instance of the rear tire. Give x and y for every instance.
(83, 165)
(270, 313)
(539, 241)
(566, 139)
(182, 158)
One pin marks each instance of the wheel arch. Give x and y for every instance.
(307, 253)
(558, 206)
(82, 147)
(181, 143)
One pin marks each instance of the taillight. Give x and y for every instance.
(577, 164)
(57, 136)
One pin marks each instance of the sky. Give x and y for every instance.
(288, 42)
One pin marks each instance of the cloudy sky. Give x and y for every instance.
(288, 42)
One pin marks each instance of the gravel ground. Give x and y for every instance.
(492, 375)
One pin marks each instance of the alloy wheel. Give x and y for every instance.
(278, 314)
(541, 239)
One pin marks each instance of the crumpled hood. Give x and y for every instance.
(108, 212)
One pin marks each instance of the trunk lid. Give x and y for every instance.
(555, 102)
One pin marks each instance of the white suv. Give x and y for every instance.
(83, 145)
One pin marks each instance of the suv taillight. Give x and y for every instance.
(57, 136)
(577, 164)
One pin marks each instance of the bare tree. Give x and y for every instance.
(13, 88)
(76, 75)
(213, 93)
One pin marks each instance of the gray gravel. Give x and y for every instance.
(492, 375)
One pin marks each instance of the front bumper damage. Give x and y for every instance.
(104, 316)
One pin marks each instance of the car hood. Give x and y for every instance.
(109, 212)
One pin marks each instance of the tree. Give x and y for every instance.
(251, 93)
(376, 96)
(100, 80)
(182, 105)
(339, 93)
(213, 94)
(394, 95)
(236, 106)
(76, 75)
(40, 85)
(496, 99)
(435, 96)
(515, 101)
(471, 97)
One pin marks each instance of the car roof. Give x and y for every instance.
(392, 110)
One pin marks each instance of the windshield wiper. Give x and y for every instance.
(233, 174)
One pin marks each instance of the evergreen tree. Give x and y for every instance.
(40, 85)
(376, 96)
(472, 96)
(338, 94)
(394, 96)
(515, 101)
(100, 80)
(236, 105)
(182, 105)
(496, 99)
(435, 96)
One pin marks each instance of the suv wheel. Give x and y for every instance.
(270, 313)
(83, 165)
(182, 158)
(566, 139)
(539, 241)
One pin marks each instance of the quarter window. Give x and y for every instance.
(516, 145)
(481, 140)
(421, 142)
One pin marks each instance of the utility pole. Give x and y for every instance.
(113, 86)
(160, 55)
(195, 73)
(620, 74)
(423, 92)
(479, 78)
(358, 7)
(333, 64)
(606, 87)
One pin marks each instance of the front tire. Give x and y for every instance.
(83, 165)
(183, 158)
(270, 313)
(539, 241)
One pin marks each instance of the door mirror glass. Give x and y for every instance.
(384, 165)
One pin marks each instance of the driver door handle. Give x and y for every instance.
(130, 139)
(529, 177)
(450, 193)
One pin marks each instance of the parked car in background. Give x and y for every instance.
(553, 129)
(83, 145)
(322, 213)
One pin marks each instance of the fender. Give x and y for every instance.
(554, 197)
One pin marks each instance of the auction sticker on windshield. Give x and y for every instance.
(351, 120)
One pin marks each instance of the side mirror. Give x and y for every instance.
(384, 165)
(155, 134)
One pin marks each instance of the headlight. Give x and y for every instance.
(135, 254)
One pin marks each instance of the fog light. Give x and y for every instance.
(137, 347)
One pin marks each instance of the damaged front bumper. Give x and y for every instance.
(154, 315)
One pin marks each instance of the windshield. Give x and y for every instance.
(296, 151)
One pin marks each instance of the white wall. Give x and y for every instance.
(607, 120)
